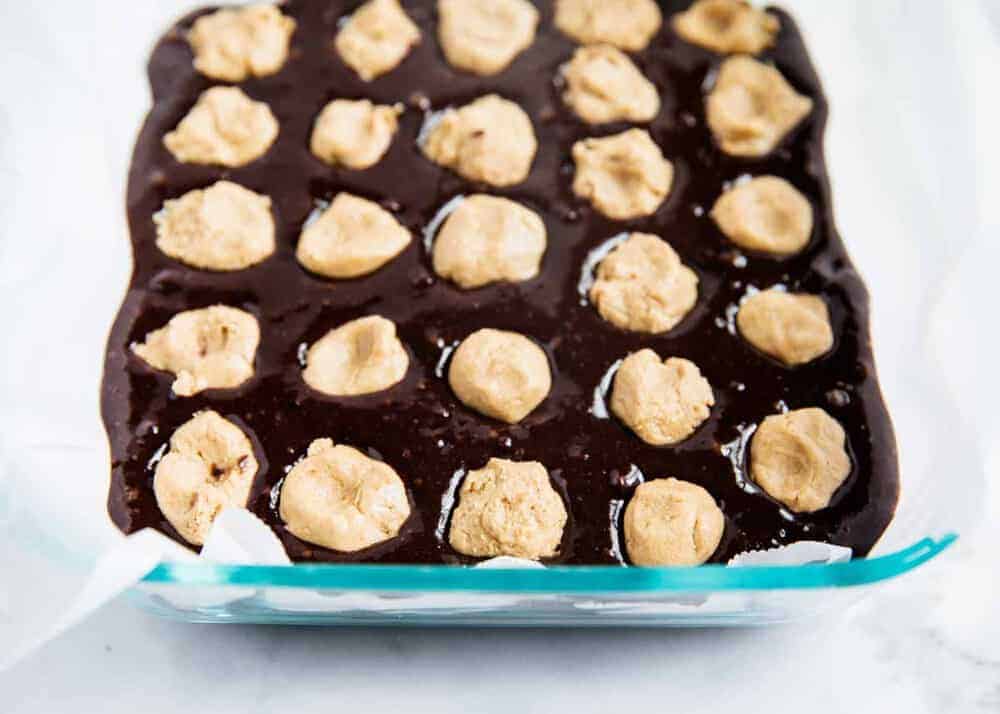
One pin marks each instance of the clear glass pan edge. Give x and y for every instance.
(557, 579)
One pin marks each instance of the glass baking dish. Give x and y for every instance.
(558, 596)
(49, 424)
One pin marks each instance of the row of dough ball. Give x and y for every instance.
(225, 227)
(478, 36)
(482, 240)
(339, 498)
(491, 140)
(500, 374)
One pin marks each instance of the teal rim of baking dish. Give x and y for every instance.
(555, 579)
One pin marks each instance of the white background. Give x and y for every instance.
(928, 642)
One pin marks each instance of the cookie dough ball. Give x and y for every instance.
(508, 508)
(752, 107)
(793, 328)
(490, 140)
(210, 348)
(604, 85)
(354, 134)
(800, 458)
(727, 26)
(488, 240)
(351, 238)
(624, 175)
(626, 24)
(233, 44)
(224, 127)
(222, 227)
(662, 402)
(376, 38)
(766, 214)
(501, 374)
(642, 285)
(362, 356)
(484, 36)
(338, 498)
(210, 466)
(672, 522)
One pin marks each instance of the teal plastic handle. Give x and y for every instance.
(557, 579)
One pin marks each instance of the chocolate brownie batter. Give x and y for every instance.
(418, 426)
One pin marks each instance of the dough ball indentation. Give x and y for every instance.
(351, 238)
(643, 286)
(800, 458)
(662, 402)
(793, 328)
(233, 44)
(508, 508)
(765, 214)
(222, 227)
(727, 26)
(626, 24)
(208, 348)
(672, 522)
(354, 134)
(603, 85)
(624, 176)
(362, 356)
(376, 38)
(501, 374)
(487, 240)
(490, 140)
(484, 36)
(225, 127)
(338, 498)
(210, 466)
(752, 107)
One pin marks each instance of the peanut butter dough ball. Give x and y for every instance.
(662, 402)
(800, 458)
(508, 508)
(766, 214)
(376, 38)
(484, 36)
(210, 466)
(604, 85)
(642, 285)
(222, 227)
(224, 127)
(354, 134)
(727, 26)
(752, 108)
(487, 240)
(501, 374)
(672, 522)
(338, 498)
(235, 43)
(351, 238)
(362, 356)
(626, 24)
(791, 327)
(624, 175)
(210, 348)
(490, 140)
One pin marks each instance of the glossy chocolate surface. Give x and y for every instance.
(418, 426)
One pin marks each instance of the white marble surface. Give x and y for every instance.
(927, 642)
